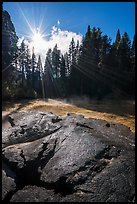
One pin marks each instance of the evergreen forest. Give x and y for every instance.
(96, 68)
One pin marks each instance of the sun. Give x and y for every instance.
(37, 41)
(37, 37)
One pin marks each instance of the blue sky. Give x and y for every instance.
(74, 16)
(58, 22)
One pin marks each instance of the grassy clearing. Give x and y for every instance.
(111, 111)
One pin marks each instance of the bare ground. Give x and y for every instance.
(122, 112)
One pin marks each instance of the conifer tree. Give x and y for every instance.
(48, 75)
(33, 67)
(66, 58)
(118, 38)
(39, 77)
(124, 52)
(132, 55)
(22, 61)
(28, 66)
(56, 62)
(39, 68)
(63, 71)
(87, 41)
(71, 54)
(104, 50)
(77, 52)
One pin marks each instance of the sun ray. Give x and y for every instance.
(29, 25)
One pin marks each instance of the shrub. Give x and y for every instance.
(25, 93)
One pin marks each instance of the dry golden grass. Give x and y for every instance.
(122, 113)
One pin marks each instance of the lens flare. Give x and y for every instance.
(37, 41)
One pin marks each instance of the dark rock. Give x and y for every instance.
(107, 125)
(8, 181)
(69, 159)
(35, 194)
(29, 127)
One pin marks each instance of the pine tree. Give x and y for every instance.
(132, 55)
(39, 68)
(33, 67)
(71, 55)
(132, 61)
(114, 53)
(118, 38)
(124, 52)
(63, 71)
(92, 45)
(48, 75)
(87, 42)
(97, 42)
(28, 66)
(77, 52)
(38, 77)
(56, 62)
(104, 50)
(22, 61)
(67, 65)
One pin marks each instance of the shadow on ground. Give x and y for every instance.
(117, 107)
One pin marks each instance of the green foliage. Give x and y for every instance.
(55, 62)
(124, 52)
(132, 56)
(30, 93)
(62, 68)
(25, 93)
(95, 67)
(118, 38)
(6, 92)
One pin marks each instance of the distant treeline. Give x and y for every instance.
(96, 67)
